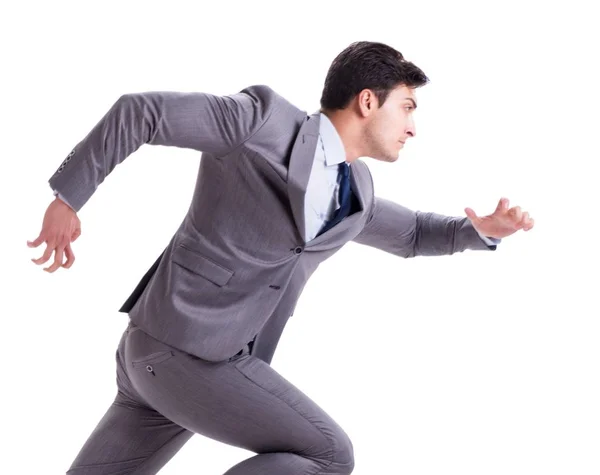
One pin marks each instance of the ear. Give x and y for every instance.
(367, 102)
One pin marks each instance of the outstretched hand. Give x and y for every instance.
(502, 222)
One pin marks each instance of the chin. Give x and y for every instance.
(385, 157)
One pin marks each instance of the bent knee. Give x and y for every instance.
(343, 456)
(339, 458)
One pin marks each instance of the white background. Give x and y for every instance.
(489, 361)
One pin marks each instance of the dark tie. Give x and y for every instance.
(345, 194)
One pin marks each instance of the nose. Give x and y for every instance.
(411, 130)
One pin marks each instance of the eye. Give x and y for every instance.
(409, 108)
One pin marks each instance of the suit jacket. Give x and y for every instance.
(236, 266)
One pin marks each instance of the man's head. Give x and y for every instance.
(369, 95)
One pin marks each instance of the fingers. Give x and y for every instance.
(513, 217)
(526, 222)
(70, 256)
(529, 225)
(472, 216)
(37, 242)
(520, 219)
(524, 219)
(59, 251)
(47, 253)
(58, 259)
(516, 215)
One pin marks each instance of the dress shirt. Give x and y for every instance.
(322, 193)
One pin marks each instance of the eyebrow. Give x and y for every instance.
(411, 100)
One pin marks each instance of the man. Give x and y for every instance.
(278, 192)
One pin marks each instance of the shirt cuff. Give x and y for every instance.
(62, 198)
(490, 241)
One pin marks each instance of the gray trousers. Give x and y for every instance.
(165, 396)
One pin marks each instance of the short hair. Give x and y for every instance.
(368, 65)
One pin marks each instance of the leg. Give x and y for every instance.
(242, 402)
(131, 438)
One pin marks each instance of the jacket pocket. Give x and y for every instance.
(201, 265)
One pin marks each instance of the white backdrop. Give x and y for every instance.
(490, 361)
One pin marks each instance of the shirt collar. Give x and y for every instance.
(332, 143)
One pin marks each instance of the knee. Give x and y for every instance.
(343, 457)
(340, 457)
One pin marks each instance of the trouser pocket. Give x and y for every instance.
(150, 361)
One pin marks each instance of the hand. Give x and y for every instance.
(503, 222)
(60, 227)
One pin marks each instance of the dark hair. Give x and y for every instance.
(368, 65)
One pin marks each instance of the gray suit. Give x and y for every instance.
(230, 277)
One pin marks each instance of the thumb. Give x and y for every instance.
(75, 234)
(502, 205)
(472, 216)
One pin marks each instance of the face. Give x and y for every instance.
(388, 126)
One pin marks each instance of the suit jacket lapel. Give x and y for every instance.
(300, 166)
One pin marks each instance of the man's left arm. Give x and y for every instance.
(406, 233)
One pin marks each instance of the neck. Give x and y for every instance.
(349, 131)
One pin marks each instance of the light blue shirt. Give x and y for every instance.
(321, 199)
(322, 193)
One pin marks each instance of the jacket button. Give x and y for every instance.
(298, 250)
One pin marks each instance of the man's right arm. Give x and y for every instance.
(200, 121)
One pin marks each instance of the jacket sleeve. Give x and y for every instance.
(406, 233)
(199, 121)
